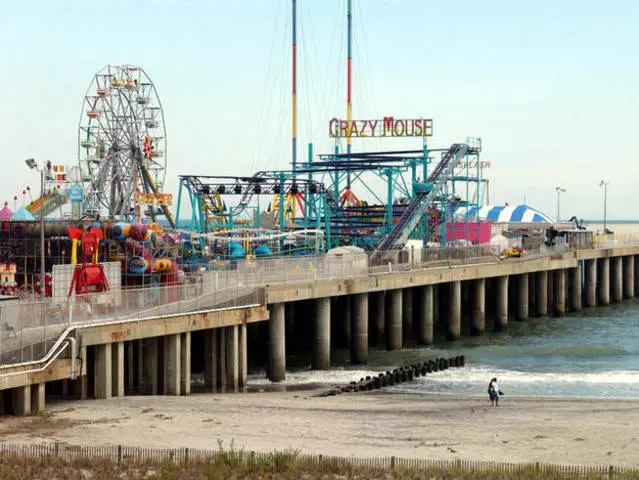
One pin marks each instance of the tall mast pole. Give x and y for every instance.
(294, 103)
(349, 99)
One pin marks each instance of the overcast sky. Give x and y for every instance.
(550, 86)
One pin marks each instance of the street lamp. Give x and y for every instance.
(605, 185)
(559, 190)
(31, 163)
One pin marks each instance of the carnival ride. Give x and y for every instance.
(122, 147)
(325, 218)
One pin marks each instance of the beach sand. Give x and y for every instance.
(581, 432)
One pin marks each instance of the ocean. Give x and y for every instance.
(593, 354)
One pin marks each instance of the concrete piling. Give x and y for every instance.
(407, 314)
(394, 320)
(377, 314)
(575, 291)
(210, 359)
(425, 331)
(151, 366)
(103, 371)
(276, 344)
(479, 307)
(221, 358)
(232, 358)
(591, 283)
(359, 328)
(617, 279)
(321, 359)
(454, 311)
(37, 397)
(560, 292)
(603, 280)
(243, 355)
(172, 368)
(502, 303)
(522, 297)
(629, 276)
(117, 370)
(541, 294)
(185, 363)
(21, 399)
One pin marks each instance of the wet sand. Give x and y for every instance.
(581, 432)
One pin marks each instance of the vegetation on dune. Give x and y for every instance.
(276, 466)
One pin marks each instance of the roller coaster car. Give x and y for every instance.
(514, 252)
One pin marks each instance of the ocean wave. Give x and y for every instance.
(481, 374)
(468, 375)
(571, 351)
(320, 377)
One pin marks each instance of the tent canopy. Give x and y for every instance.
(22, 215)
(504, 213)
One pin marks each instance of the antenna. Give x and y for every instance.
(349, 99)
(294, 103)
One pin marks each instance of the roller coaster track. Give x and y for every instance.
(418, 207)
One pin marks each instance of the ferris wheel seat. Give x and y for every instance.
(151, 124)
(143, 100)
(117, 83)
(93, 114)
(102, 92)
(87, 144)
(157, 153)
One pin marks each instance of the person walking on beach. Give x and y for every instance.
(493, 392)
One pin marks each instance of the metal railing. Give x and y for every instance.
(615, 240)
(28, 329)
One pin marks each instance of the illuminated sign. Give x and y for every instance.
(387, 127)
(152, 198)
(56, 174)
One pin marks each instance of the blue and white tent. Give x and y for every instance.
(504, 214)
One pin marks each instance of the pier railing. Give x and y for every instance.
(615, 240)
(30, 328)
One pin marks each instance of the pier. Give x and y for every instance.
(324, 301)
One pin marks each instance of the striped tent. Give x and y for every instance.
(504, 213)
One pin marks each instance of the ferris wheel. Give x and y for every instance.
(122, 146)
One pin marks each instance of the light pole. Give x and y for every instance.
(605, 185)
(31, 163)
(559, 190)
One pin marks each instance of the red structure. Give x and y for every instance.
(88, 278)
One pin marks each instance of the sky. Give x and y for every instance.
(551, 87)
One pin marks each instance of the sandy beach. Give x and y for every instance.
(581, 432)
